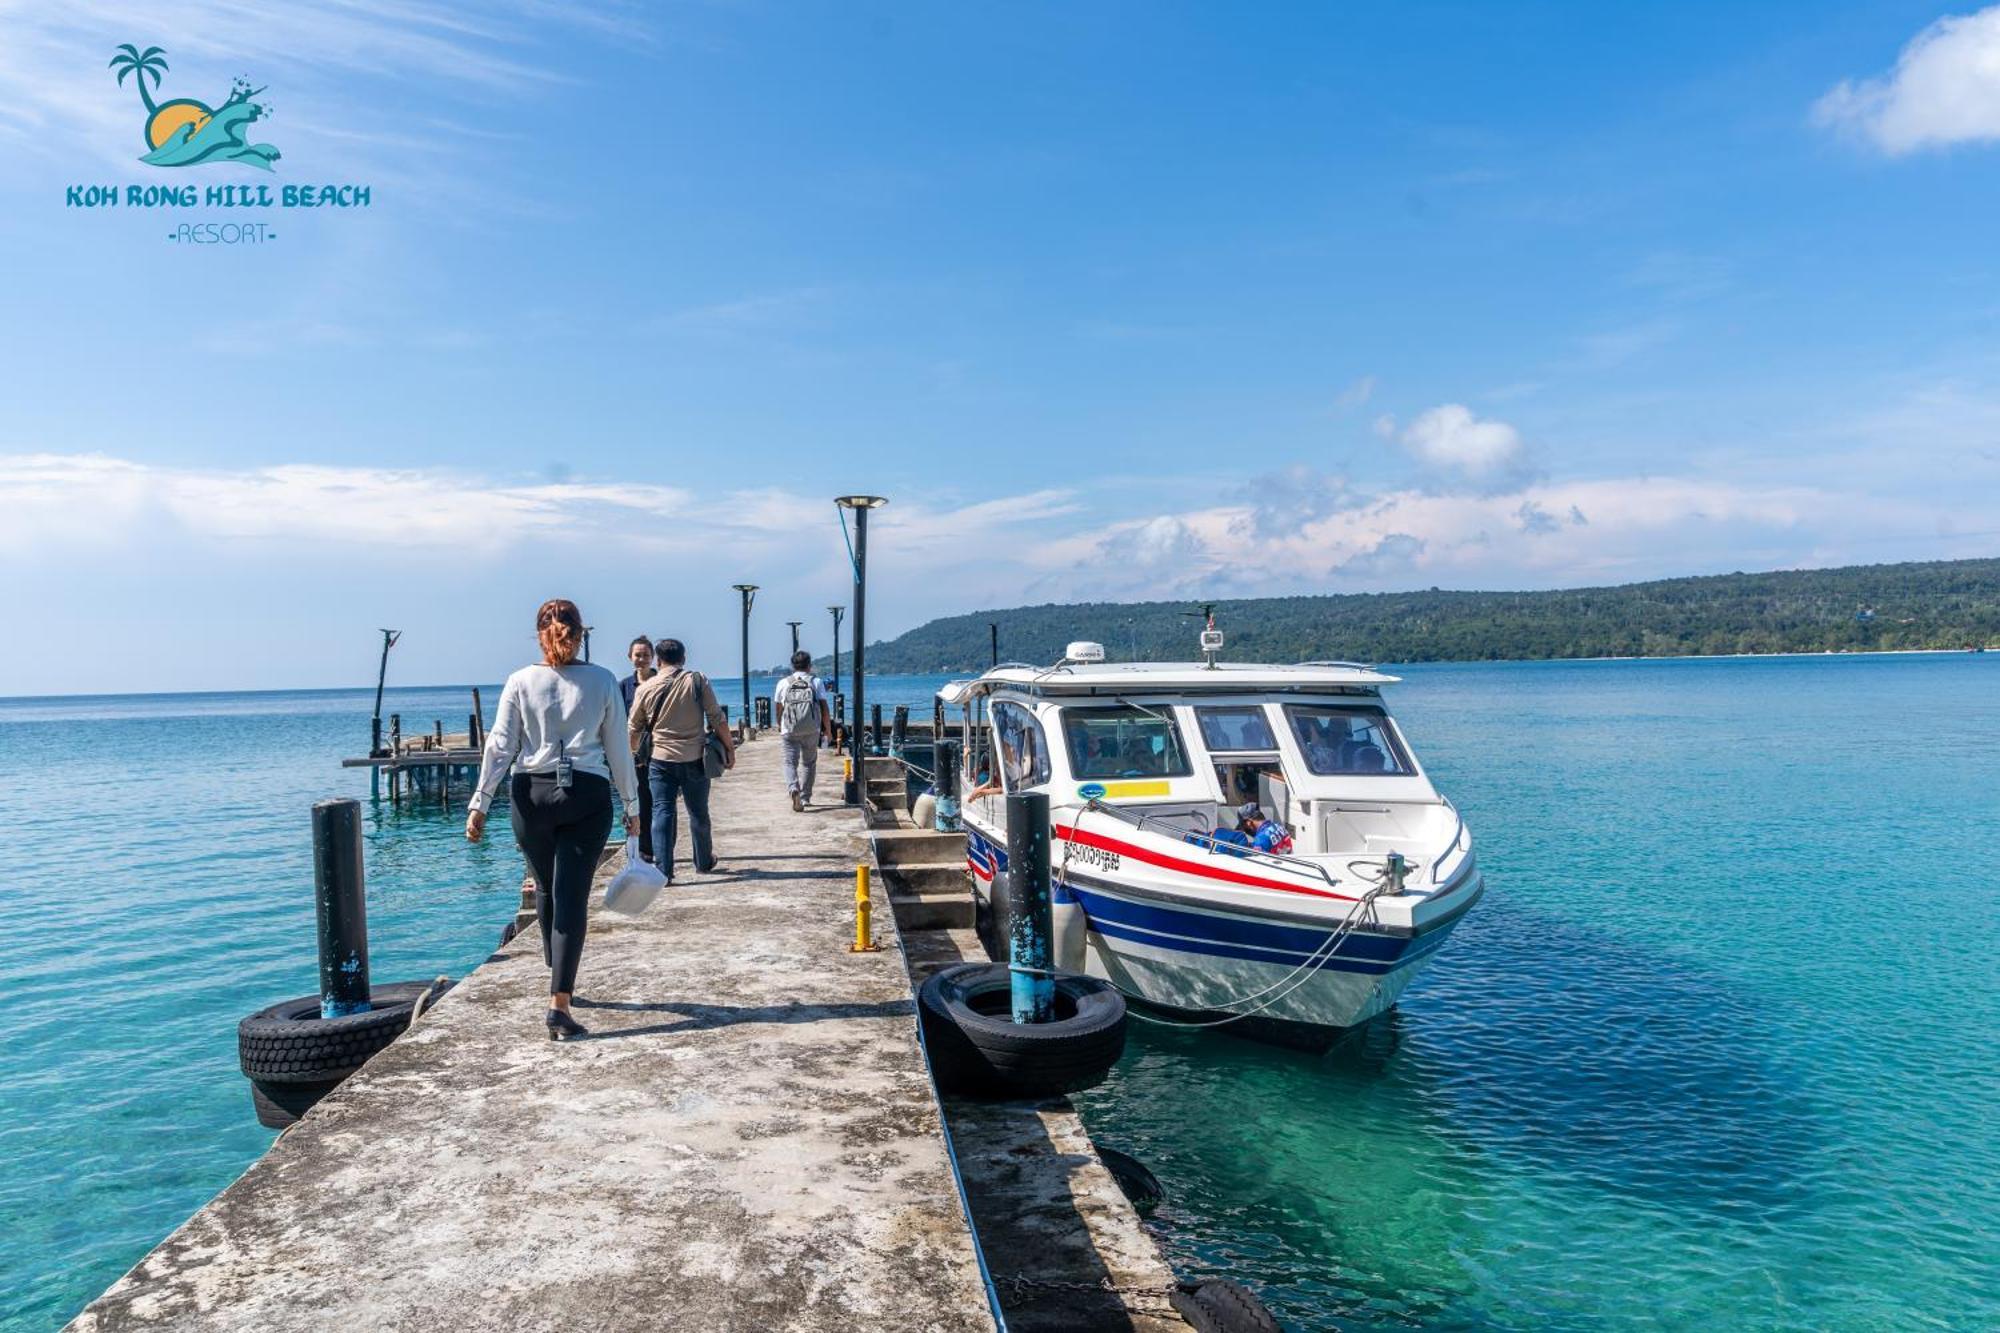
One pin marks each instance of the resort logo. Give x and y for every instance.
(188, 133)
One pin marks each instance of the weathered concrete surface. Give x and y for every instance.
(748, 1141)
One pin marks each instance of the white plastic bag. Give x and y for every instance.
(633, 889)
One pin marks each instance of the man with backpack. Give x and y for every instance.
(804, 717)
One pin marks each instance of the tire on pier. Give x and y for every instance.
(976, 1048)
(1141, 1188)
(291, 1043)
(1219, 1305)
(279, 1105)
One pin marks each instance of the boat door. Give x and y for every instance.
(1016, 759)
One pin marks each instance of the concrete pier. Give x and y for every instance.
(747, 1141)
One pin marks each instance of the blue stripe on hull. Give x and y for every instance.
(1254, 941)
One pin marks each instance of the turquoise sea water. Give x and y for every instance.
(1717, 1050)
(1720, 1049)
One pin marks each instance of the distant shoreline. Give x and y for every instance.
(722, 680)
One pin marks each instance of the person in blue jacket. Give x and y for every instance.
(1266, 835)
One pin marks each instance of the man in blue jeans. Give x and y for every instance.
(677, 708)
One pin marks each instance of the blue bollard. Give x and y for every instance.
(946, 761)
(1030, 929)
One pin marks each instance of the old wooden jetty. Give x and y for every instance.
(426, 765)
(748, 1140)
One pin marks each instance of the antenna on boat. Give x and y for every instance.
(1211, 637)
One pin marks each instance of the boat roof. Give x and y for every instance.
(1099, 678)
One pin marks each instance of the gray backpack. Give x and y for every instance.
(798, 707)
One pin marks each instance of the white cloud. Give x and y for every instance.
(1450, 439)
(63, 503)
(1637, 528)
(1945, 89)
(1359, 392)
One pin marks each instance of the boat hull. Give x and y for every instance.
(1199, 961)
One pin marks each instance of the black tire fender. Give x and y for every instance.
(279, 1105)
(291, 1043)
(1219, 1305)
(976, 1047)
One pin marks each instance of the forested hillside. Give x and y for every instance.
(1942, 604)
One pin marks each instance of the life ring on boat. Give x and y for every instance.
(1219, 1305)
(293, 1057)
(975, 1047)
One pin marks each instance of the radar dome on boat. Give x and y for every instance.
(1083, 650)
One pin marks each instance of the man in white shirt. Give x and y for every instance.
(804, 717)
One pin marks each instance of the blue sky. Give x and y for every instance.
(1140, 300)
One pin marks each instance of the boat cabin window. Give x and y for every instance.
(1024, 752)
(1239, 727)
(1342, 741)
(1123, 742)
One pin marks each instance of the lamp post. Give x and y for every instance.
(389, 637)
(860, 504)
(837, 612)
(993, 636)
(795, 632)
(749, 591)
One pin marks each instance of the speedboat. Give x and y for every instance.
(1310, 930)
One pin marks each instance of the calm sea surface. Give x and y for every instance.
(1717, 1050)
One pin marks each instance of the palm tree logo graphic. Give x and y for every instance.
(186, 133)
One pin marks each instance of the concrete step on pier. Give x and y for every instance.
(747, 1141)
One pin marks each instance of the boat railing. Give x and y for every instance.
(1138, 820)
(1457, 836)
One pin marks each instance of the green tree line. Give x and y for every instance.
(1937, 604)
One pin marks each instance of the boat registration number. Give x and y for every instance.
(1095, 857)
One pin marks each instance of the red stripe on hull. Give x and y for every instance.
(1151, 857)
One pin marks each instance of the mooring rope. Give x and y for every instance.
(1303, 972)
(428, 997)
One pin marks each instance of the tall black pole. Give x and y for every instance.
(860, 613)
(340, 901)
(993, 633)
(389, 637)
(795, 632)
(837, 612)
(749, 591)
(860, 504)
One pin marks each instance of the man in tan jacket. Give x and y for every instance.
(677, 708)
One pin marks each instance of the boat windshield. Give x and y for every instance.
(1341, 741)
(1123, 742)
(1236, 727)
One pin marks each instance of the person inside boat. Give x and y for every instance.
(1266, 835)
(1324, 739)
(990, 784)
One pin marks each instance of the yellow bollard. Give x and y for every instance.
(864, 935)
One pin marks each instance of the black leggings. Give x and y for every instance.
(562, 833)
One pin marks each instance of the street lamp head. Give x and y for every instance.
(744, 587)
(861, 501)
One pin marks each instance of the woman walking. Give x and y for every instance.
(560, 728)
